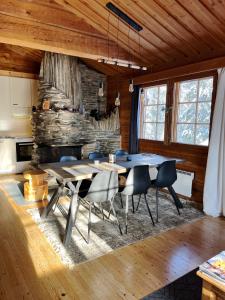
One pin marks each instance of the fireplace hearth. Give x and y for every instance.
(53, 153)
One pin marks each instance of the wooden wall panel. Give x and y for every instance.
(115, 83)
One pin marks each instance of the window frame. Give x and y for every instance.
(141, 112)
(170, 104)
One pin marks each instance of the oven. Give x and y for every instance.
(24, 151)
(24, 147)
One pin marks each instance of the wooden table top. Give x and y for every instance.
(83, 169)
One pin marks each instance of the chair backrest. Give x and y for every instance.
(121, 152)
(104, 187)
(167, 174)
(94, 155)
(138, 181)
(67, 158)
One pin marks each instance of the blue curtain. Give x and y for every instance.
(133, 142)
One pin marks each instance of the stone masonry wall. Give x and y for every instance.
(66, 127)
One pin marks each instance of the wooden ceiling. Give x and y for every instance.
(175, 32)
(20, 59)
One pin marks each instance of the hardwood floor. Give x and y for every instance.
(30, 269)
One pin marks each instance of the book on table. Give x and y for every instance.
(215, 267)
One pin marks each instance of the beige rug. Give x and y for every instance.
(105, 235)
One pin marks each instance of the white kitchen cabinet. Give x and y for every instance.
(8, 156)
(5, 99)
(21, 92)
(23, 95)
(16, 99)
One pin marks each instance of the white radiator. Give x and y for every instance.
(183, 185)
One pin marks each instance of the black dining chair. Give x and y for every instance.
(103, 188)
(120, 152)
(67, 158)
(138, 182)
(166, 176)
(95, 155)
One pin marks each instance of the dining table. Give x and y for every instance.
(70, 174)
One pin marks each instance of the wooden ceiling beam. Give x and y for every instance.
(26, 33)
(46, 12)
(18, 74)
(207, 65)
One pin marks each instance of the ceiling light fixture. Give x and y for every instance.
(131, 23)
(121, 64)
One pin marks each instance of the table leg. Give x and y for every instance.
(72, 211)
(58, 192)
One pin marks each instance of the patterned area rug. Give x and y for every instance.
(105, 235)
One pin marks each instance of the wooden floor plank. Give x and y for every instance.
(30, 268)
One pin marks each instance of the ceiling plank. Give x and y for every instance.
(187, 20)
(17, 31)
(169, 22)
(216, 8)
(207, 65)
(205, 18)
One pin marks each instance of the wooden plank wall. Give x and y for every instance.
(113, 84)
(195, 156)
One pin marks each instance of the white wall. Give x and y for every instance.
(17, 95)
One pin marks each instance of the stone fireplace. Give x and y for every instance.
(71, 89)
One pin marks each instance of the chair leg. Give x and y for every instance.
(138, 202)
(149, 211)
(121, 200)
(157, 204)
(132, 204)
(126, 213)
(89, 223)
(175, 198)
(115, 215)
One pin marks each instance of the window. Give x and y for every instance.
(152, 112)
(178, 111)
(192, 111)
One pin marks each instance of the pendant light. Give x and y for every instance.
(101, 90)
(132, 25)
(142, 95)
(117, 101)
(131, 86)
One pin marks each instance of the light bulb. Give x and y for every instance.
(117, 101)
(131, 86)
(100, 90)
(142, 95)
